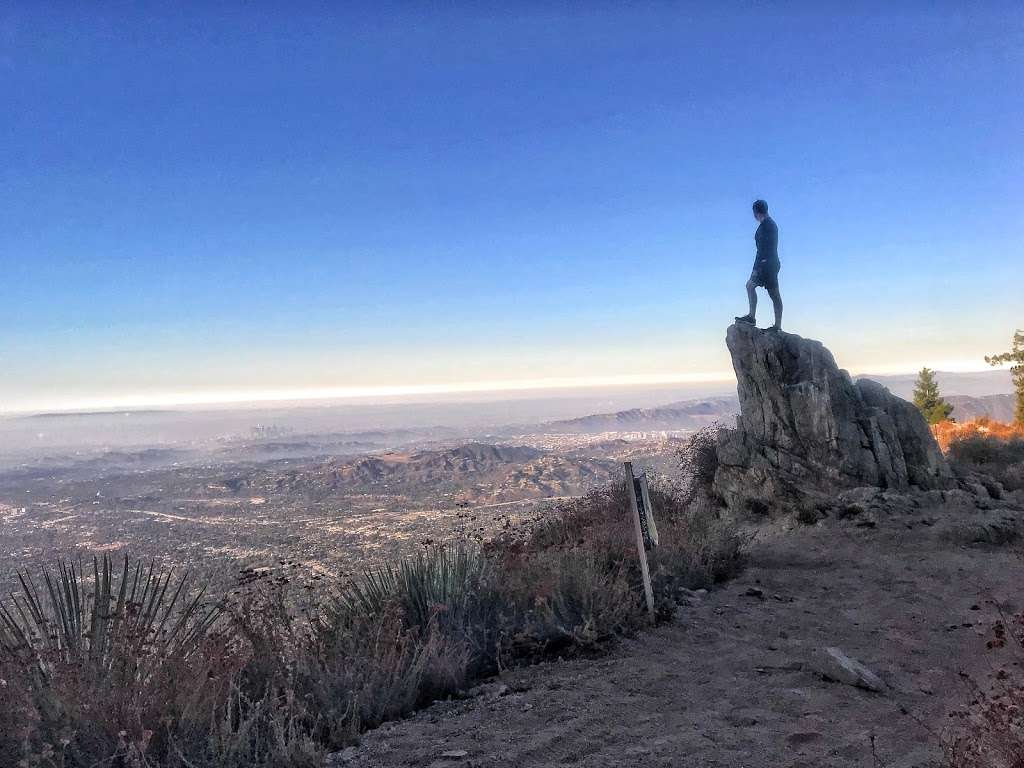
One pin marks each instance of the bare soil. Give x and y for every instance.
(740, 679)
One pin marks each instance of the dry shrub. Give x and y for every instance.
(988, 447)
(270, 731)
(990, 729)
(267, 677)
(808, 515)
(699, 549)
(375, 668)
(946, 432)
(593, 522)
(600, 521)
(19, 718)
(572, 601)
(698, 460)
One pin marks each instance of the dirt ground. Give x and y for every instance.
(737, 679)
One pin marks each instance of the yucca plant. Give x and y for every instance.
(443, 581)
(113, 629)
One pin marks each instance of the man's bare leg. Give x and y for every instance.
(777, 304)
(752, 298)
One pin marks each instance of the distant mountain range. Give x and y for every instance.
(996, 407)
(973, 383)
(686, 415)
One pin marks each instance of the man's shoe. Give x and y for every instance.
(748, 319)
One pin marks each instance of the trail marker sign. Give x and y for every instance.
(646, 511)
(646, 531)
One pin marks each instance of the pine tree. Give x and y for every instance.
(1016, 359)
(928, 400)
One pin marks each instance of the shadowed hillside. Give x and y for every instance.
(995, 407)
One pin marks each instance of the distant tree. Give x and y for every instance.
(928, 400)
(1016, 359)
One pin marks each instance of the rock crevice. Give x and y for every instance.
(806, 430)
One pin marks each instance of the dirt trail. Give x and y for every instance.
(736, 680)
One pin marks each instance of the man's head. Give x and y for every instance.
(760, 210)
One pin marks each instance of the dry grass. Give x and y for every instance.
(258, 677)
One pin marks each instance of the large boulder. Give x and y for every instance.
(807, 431)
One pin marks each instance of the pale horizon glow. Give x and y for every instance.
(387, 391)
(130, 401)
(942, 366)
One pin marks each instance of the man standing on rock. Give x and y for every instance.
(766, 266)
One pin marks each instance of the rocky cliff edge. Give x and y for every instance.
(807, 431)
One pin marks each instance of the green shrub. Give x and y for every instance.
(447, 584)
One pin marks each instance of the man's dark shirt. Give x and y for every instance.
(766, 238)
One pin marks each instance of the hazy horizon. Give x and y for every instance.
(481, 392)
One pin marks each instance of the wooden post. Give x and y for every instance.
(641, 550)
(645, 497)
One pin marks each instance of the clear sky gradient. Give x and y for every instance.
(207, 200)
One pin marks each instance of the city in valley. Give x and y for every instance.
(213, 492)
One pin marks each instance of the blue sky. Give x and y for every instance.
(217, 200)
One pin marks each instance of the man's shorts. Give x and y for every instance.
(766, 276)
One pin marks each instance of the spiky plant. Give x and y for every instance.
(445, 582)
(113, 629)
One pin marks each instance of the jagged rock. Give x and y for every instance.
(981, 485)
(806, 429)
(867, 503)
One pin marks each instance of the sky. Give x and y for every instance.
(207, 201)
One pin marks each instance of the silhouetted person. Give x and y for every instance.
(766, 265)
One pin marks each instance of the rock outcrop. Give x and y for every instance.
(806, 431)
